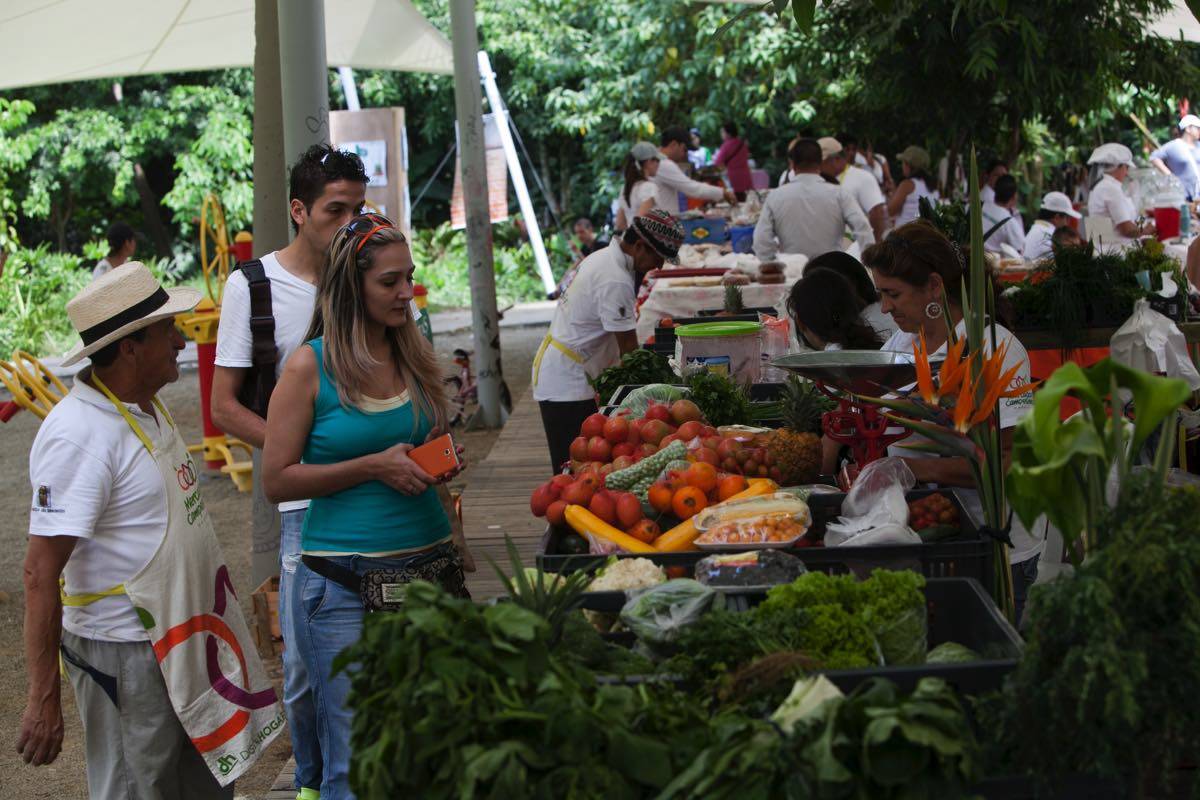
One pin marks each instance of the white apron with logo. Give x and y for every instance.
(185, 599)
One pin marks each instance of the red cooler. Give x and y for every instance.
(1166, 222)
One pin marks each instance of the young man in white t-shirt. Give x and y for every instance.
(327, 188)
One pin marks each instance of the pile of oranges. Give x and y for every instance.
(685, 493)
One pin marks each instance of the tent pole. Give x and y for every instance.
(469, 108)
(270, 165)
(500, 112)
(303, 76)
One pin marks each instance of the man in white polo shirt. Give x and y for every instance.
(327, 188)
(146, 620)
(595, 324)
(855, 181)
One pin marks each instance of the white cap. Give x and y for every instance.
(829, 147)
(1112, 155)
(1189, 121)
(1060, 204)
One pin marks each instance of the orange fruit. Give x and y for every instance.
(731, 485)
(702, 475)
(688, 502)
(645, 531)
(660, 495)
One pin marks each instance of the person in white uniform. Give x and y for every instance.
(808, 215)
(995, 169)
(118, 518)
(1056, 212)
(670, 180)
(857, 182)
(639, 193)
(595, 324)
(904, 204)
(1001, 210)
(1108, 199)
(917, 269)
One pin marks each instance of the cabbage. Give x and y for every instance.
(951, 653)
(640, 398)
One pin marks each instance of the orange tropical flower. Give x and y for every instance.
(963, 406)
(953, 368)
(924, 371)
(995, 390)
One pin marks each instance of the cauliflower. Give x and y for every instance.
(626, 574)
(620, 575)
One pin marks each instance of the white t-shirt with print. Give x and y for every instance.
(92, 479)
(1012, 411)
(598, 303)
(292, 303)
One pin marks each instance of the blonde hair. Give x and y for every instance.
(340, 317)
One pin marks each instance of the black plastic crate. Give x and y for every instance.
(706, 314)
(968, 555)
(666, 335)
(959, 611)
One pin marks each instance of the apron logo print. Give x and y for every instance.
(186, 475)
(225, 763)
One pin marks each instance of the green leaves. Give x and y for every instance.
(1060, 468)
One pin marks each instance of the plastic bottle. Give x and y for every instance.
(1185, 221)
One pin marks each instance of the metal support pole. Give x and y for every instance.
(304, 75)
(349, 88)
(514, 166)
(270, 165)
(469, 108)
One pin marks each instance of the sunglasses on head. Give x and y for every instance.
(367, 225)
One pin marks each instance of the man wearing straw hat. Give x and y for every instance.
(124, 578)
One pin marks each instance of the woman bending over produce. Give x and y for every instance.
(350, 404)
(919, 275)
(827, 312)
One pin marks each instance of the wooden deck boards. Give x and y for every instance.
(496, 498)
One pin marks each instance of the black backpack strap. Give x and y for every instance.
(260, 381)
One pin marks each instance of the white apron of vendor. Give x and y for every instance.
(599, 302)
(1012, 410)
(181, 600)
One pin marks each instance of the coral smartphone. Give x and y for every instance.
(437, 457)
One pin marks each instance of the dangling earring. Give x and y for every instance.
(933, 310)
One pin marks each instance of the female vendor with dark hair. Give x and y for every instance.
(919, 275)
(827, 313)
(852, 270)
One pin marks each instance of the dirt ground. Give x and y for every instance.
(65, 779)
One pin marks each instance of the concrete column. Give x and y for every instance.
(304, 76)
(469, 107)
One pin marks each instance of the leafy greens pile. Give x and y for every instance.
(637, 368)
(1109, 679)
(455, 700)
(834, 621)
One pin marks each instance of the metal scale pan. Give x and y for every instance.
(864, 372)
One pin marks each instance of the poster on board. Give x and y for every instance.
(374, 157)
(497, 179)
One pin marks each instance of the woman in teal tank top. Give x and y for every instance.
(363, 391)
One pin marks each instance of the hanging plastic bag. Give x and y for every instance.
(1153, 343)
(637, 401)
(776, 342)
(875, 511)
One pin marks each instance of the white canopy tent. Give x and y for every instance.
(57, 41)
(1179, 21)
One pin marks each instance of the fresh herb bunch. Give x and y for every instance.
(1078, 289)
(721, 400)
(637, 368)
(952, 219)
(1108, 682)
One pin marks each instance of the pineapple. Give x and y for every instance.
(795, 449)
(733, 300)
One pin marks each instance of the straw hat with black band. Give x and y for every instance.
(124, 300)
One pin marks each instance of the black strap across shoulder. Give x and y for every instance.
(256, 389)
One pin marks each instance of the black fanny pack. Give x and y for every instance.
(382, 589)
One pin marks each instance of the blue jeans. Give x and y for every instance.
(329, 618)
(297, 690)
